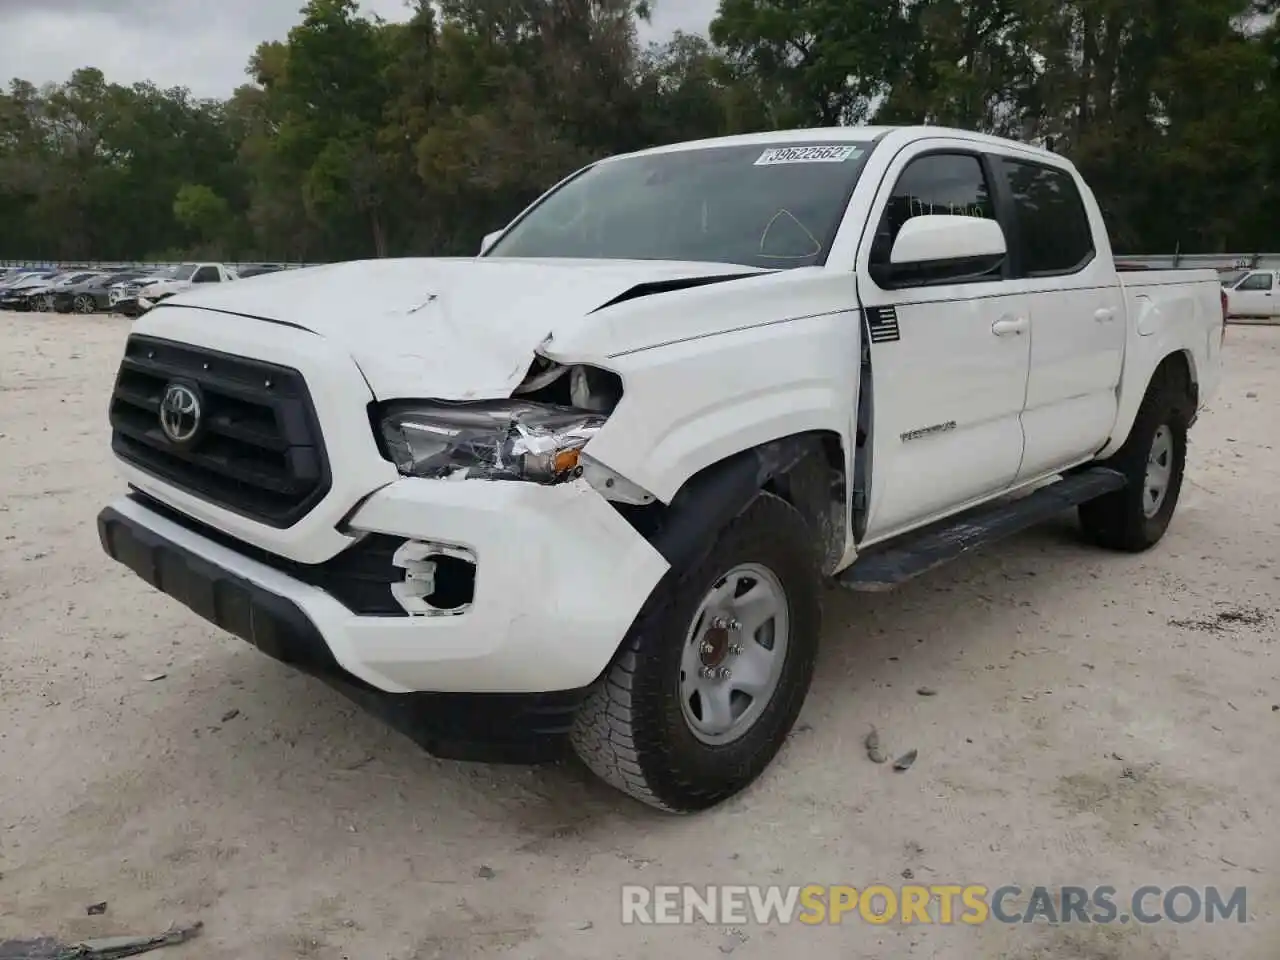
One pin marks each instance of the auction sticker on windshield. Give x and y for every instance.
(835, 153)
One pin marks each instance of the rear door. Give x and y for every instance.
(1077, 313)
(949, 354)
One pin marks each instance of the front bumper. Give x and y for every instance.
(489, 728)
(559, 578)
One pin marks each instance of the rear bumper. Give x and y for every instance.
(493, 728)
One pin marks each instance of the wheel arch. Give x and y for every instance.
(1179, 370)
(1175, 368)
(807, 470)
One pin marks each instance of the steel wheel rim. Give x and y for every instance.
(83, 305)
(1155, 485)
(734, 653)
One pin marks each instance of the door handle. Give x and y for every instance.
(1104, 315)
(1009, 326)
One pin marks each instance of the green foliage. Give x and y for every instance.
(202, 212)
(356, 137)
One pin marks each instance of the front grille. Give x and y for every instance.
(258, 453)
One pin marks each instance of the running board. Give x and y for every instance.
(884, 569)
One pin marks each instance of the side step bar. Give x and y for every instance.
(905, 559)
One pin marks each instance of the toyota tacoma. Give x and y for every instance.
(584, 490)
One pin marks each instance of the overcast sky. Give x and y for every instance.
(198, 44)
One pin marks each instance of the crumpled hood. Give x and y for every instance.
(455, 329)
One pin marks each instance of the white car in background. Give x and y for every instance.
(180, 279)
(1254, 295)
(138, 296)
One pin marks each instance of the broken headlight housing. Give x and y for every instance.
(491, 440)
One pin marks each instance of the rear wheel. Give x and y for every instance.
(711, 678)
(1153, 459)
(84, 303)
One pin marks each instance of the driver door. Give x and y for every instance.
(950, 355)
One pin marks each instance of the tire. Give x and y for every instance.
(638, 728)
(42, 304)
(84, 303)
(1133, 519)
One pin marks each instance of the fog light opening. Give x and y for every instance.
(439, 579)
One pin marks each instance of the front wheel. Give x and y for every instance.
(1153, 459)
(84, 303)
(711, 678)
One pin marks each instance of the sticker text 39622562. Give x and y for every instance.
(833, 153)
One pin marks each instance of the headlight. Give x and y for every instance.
(498, 440)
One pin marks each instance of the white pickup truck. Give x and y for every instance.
(584, 489)
(1256, 295)
(137, 296)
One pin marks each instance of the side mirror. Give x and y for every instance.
(489, 240)
(940, 247)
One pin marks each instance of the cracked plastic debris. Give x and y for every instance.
(104, 948)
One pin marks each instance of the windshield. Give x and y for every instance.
(763, 206)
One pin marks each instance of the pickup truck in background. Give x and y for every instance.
(1255, 295)
(583, 490)
(135, 297)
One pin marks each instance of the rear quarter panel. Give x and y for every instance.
(1169, 311)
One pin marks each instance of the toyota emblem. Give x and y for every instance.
(180, 413)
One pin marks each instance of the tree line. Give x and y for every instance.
(356, 137)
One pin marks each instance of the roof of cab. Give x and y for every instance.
(902, 134)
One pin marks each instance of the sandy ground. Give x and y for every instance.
(1098, 720)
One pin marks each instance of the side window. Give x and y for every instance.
(207, 275)
(947, 183)
(1054, 235)
(1256, 281)
(953, 184)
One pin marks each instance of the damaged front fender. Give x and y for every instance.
(687, 528)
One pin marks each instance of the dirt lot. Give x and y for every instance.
(1098, 720)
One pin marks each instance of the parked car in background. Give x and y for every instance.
(93, 294)
(122, 293)
(139, 295)
(28, 273)
(15, 295)
(1254, 295)
(40, 298)
(180, 279)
